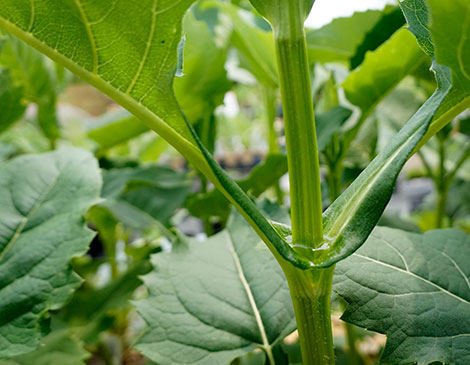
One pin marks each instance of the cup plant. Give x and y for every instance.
(211, 302)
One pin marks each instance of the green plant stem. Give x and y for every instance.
(302, 151)
(311, 295)
(310, 289)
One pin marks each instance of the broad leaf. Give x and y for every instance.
(212, 301)
(415, 288)
(134, 65)
(57, 348)
(100, 42)
(42, 202)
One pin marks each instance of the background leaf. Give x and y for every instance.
(415, 289)
(42, 202)
(212, 301)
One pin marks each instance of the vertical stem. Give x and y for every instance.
(311, 289)
(311, 294)
(302, 152)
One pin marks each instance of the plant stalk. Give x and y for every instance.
(310, 289)
(299, 120)
(311, 295)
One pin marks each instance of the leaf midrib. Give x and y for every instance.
(249, 293)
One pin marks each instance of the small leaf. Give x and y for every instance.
(418, 294)
(138, 197)
(57, 348)
(42, 202)
(212, 301)
(329, 123)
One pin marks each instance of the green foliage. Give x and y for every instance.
(139, 197)
(346, 40)
(381, 71)
(212, 301)
(39, 79)
(102, 44)
(447, 32)
(10, 100)
(115, 128)
(418, 295)
(259, 180)
(43, 200)
(58, 347)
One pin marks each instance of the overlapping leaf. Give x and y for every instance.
(212, 301)
(418, 295)
(42, 202)
(126, 49)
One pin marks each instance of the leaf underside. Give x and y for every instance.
(415, 288)
(212, 301)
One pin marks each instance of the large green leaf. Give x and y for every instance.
(415, 288)
(126, 49)
(212, 301)
(42, 202)
(135, 65)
